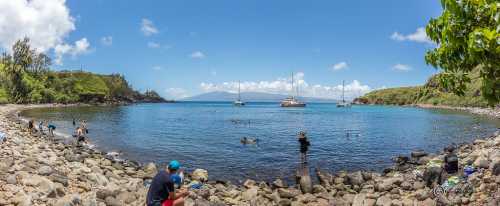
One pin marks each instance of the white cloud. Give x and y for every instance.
(283, 86)
(148, 28)
(176, 93)
(419, 36)
(153, 45)
(81, 46)
(339, 66)
(45, 22)
(107, 40)
(197, 55)
(157, 68)
(401, 67)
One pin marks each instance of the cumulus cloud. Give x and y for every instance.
(284, 86)
(197, 55)
(45, 22)
(153, 45)
(148, 28)
(81, 46)
(419, 36)
(339, 66)
(107, 40)
(401, 67)
(176, 93)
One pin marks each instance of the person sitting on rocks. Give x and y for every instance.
(162, 191)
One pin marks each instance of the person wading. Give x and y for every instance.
(303, 177)
(162, 191)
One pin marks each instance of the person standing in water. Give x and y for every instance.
(51, 127)
(80, 138)
(303, 177)
(304, 146)
(40, 128)
(31, 126)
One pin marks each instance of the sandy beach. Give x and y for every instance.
(40, 171)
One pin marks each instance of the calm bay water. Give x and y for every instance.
(207, 134)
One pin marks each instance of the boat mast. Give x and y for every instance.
(343, 91)
(297, 88)
(292, 86)
(239, 97)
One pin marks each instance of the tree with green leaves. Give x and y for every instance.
(468, 38)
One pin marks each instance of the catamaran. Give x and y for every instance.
(343, 103)
(292, 101)
(238, 102)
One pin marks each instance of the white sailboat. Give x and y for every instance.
(343, 103)
(292, 101)
(238, 102)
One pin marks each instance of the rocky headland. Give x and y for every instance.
(43, 171)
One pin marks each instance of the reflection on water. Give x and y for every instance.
(207, 135)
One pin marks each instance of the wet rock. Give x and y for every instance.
(278, 183)
(355, 178)
(306, 184)
(288, 192)
(249, 183)
(418, 153)
(200, 175)
(318, 189)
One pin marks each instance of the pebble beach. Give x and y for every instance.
(42, 171)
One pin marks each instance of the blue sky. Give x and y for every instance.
(182, 48)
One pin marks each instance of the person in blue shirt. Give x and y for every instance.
(162, 191)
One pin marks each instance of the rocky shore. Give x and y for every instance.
(492, 112)
(41, 171)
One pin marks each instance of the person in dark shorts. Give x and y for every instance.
(80, 137)
(31, 126)
(304, 146)
(450, 160)
(162, 191)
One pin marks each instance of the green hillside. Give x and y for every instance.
(430, 93)
(25, 77)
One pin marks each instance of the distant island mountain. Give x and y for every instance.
(249, 97)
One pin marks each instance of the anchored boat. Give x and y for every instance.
(238, 102)
(292, 101)
(343, 103)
